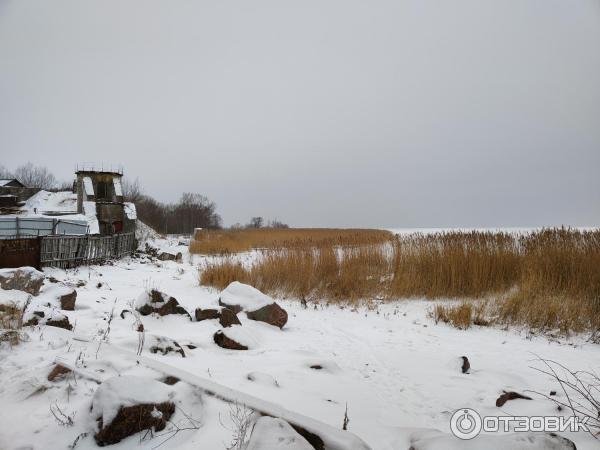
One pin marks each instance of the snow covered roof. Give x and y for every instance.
(61, 205)
(12, 181)
(64, 202)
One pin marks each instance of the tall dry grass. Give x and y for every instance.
(325, 273)
(455, 264)
(224, 242)
(559, 283)
(546, 279)
(11, 324)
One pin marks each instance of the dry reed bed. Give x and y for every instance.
(547, 279)
(224, 242)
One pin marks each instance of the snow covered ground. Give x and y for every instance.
(398, 373)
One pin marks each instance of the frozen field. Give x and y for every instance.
(396, 370)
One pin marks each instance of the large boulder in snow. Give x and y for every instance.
(12, 299)
(25, 279)
(276, 434)
(258, 306)
(67, 299)
(225, 316)
(46, 316)
(272, 314)
(126, 405)
(235, 338)
(169, 256)
(224, 341)
(154, 301)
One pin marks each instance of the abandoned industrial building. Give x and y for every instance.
(91, 223)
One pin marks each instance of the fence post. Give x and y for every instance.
(17, 225)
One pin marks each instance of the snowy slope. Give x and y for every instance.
(397, 372)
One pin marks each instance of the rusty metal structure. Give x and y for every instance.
(40, 241)
(104, 189)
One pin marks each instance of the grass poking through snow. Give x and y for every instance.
(547, 279)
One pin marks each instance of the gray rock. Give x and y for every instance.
(25, 279)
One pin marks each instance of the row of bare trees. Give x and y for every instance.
(260, 222)
(191, 211)
(34, 176)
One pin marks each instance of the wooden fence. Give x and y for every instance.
(19, 252)
(72, 251)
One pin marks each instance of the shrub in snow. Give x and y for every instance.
(225, 316)
(154, 301)
(11, 318)
(258, 306)
(275, 434)
(25, 279)
(46, 316)
(126, 405)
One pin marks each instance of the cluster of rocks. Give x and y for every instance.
(125, 405)
(30, 281)
(236, 298)
(157, 302)
(163, 255)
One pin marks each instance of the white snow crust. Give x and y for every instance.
(127, 390)
(275, 434)
(247, 297)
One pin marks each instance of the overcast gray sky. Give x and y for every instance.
(317, 112)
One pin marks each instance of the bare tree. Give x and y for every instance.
(132, 190)
(256, 222)
(35, 176)
(64, 186)
(5, 174)
(192, 211)
(277, 224)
